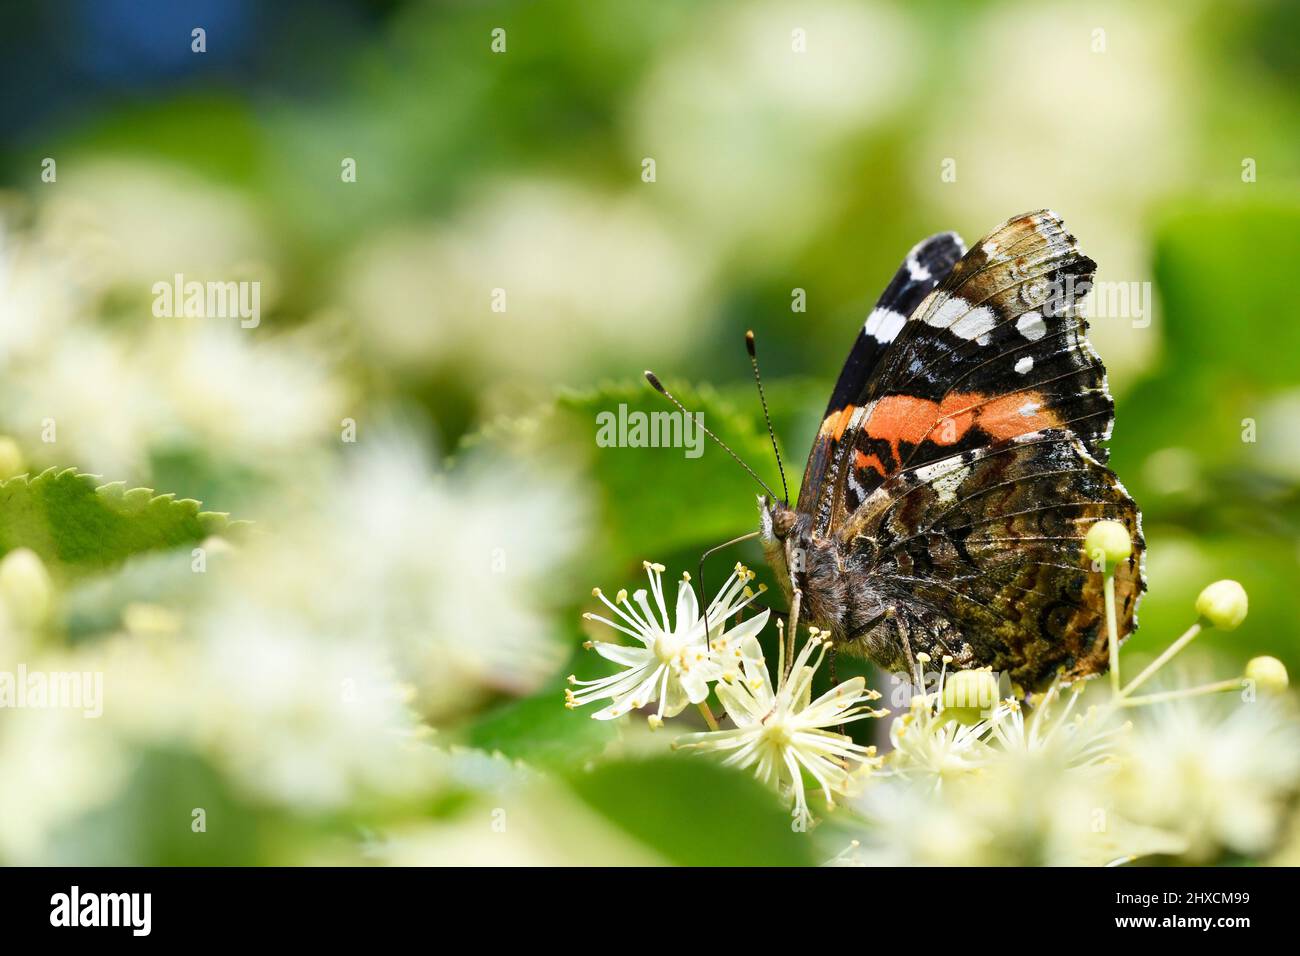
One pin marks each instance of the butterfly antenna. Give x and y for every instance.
(653, 379)
(771, 433)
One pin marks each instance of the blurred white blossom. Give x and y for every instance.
(1223, 773)
(1098, 102)
(447, 573)
(536, 279)
(56, 766)
(107, 395)
(747, 130)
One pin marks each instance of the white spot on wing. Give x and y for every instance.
(883, 324)
(918, 272)
(946, 485)
(975, 323)
(1024, 365)
(1031, 326)
(856, 486)
(948, 310)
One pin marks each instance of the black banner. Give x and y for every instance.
(334, 905)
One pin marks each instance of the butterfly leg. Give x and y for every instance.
(912, 671)
(830, 655)
(796, 602)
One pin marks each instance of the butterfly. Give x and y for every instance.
(958, 466)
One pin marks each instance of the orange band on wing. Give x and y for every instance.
(900, 419)
(1015, 415)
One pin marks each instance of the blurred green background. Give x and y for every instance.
(443, 559)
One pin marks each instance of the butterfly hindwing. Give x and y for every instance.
(980, 556)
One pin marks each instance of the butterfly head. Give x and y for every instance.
(778, 520)
(785, 535)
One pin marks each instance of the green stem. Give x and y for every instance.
(708, 715)
(1112, 632)
(796, 602)
(780, 650)
(1232, 683)
(1163, 659)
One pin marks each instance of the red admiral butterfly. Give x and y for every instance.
(958, 467)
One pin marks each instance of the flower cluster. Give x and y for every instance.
(777, 730)
(975, 771)
(978, 775)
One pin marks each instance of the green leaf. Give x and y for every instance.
(1180, 442)
(1229, 340)
(541, 731)
(1225, 292)
(695, 813)
(78, 526)
(162, 783)
(651, 501)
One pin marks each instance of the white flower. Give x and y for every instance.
(1087, 742)
(930, 741)
(613, 278)
(933, 746)
(1220, 773)
(676, 661)
(461, 621)
(781, 733)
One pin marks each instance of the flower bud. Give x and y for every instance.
(1268, 673)
(1107, 544)
(25, 588)
(11, 458)
(1223, 604)
(969, 695)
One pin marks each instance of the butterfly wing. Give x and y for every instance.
(980, 556)
(926, 265)
(997, 350)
